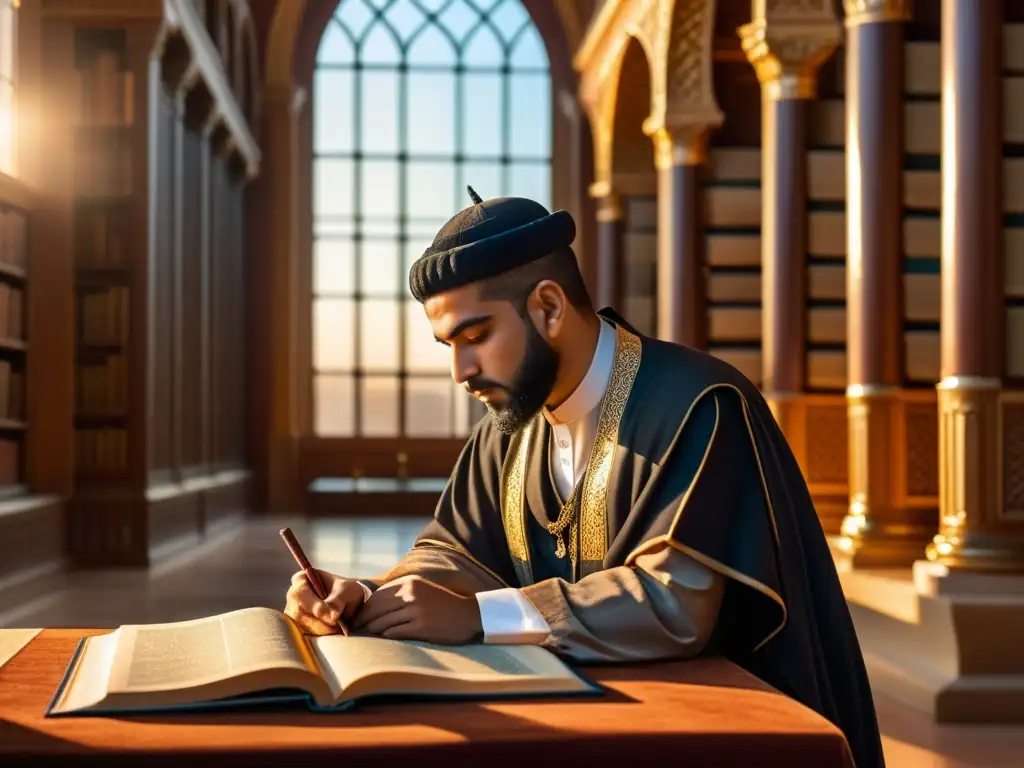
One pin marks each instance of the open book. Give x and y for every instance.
(259, 654)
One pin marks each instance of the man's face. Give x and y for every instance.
(496, 354)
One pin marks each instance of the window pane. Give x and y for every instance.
(380, 262)
(422, 353)
(509, 17)
(379, 46)
(329, 228)
(382, 228)
(430, 120)
(432, 47)
(532, 180)
(378, 335)
(378, 106)
(334, 110)
(530, 100)
(483, 49)
(380, 188)
(528, 51)
(335, 46)
(428, 407)
(404, 17)
(333, 405)
(481, 115)
(458, 18)
(333, 266)
(333, 334)
(332, 187)
(430, 188)
(485, 178)
(380, 406)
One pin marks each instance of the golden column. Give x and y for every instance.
(977, 532)
(786, 49)
(884, 525)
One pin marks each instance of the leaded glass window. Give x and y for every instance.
(412, 101)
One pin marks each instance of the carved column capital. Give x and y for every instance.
(683, 144)
(786, 54)
(877, 11)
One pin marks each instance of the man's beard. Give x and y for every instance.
(531, 386)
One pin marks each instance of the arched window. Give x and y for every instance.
(412, 101)
(8, 59)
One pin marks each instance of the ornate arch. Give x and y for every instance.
(632, 153)
(678, 38)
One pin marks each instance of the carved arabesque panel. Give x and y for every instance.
(687, 32)
(827, 443)
(1013, 458)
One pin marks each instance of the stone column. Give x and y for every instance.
(284, 106)
(881, 527)
(679, 152)
(976, 532)
(786, 51)
(611, 249)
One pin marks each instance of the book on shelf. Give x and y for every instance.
(260, 656)
(105, 316)
(10, 312)
(101, 450)
(104, 94)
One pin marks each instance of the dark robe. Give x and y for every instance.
(698, 461)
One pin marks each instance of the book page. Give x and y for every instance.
(351, 658)
(159, 657)
(12, 641)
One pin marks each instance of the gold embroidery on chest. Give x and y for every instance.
(588, 532)
(513, 505)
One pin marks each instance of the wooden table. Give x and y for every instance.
(705, 712)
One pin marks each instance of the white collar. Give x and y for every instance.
(588, 395)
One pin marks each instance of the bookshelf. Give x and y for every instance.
(158, 152)
(104, 184)
(13, 349)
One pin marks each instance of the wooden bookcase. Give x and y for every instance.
(13, 348)
(107, 177)
(158, 152)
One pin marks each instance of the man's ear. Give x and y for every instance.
(547, 305)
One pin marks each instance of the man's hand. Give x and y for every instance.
(320, 617)
(412, 608)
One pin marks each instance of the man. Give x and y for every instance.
(625, 498)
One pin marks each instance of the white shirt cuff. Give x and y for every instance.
(508, 617)
(367, 592)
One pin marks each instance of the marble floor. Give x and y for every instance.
(251, 566)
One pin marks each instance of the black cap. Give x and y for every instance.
(486, 239)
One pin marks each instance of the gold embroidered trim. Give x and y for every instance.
(513, 504)
(591, 528)
(593, 521)
(700, 557)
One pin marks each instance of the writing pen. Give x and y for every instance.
(311, 573)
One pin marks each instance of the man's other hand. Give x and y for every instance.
(412, 608)
(320, 617)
